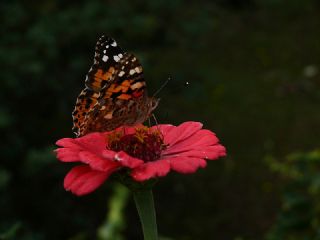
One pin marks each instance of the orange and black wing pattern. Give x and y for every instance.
(107, 55)
(115, 94)
(123, 102)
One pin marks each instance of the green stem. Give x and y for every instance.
(146, 211)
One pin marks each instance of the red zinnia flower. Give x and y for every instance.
(148, 152)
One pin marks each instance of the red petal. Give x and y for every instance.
(206, 152)
(90, 149)
(67, 155)
(108, 154)
(149, 170)
(197, 141)
(186, 164)
(93, 142)
(181, 132)
(67, 143)
(127, 161)
(131, 130)
(96, 162)
(163, 128)
(82, 180)
(215, 152)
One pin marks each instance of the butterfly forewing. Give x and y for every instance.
(107, 55)
(128, 82)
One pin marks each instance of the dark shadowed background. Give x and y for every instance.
(253, 72)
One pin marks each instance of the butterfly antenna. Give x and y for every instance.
(162, 86)
(155, 120)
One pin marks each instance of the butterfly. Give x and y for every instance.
(115, 92)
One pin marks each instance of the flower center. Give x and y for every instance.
(145, 144)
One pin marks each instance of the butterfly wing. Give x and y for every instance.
(124, 101)
(107, 55)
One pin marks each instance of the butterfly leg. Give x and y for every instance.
(154, 118)
(149, 122)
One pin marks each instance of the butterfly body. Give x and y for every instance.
(115, 94)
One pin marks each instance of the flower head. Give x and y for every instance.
(146, 152)
(145, 144)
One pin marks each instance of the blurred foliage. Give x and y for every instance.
(299, 217)
(253, 68)
(114, 225)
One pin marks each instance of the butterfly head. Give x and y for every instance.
(144, 110)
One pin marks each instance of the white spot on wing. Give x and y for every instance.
(114, 44)
(132, 71)
(116, 58)
(105, 58)
(137, 85)
(121, 73)
(137, 69)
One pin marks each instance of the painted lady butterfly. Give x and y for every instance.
(115, 94)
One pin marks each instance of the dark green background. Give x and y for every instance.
(253, 68)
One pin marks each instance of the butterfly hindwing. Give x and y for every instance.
(85, 101)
